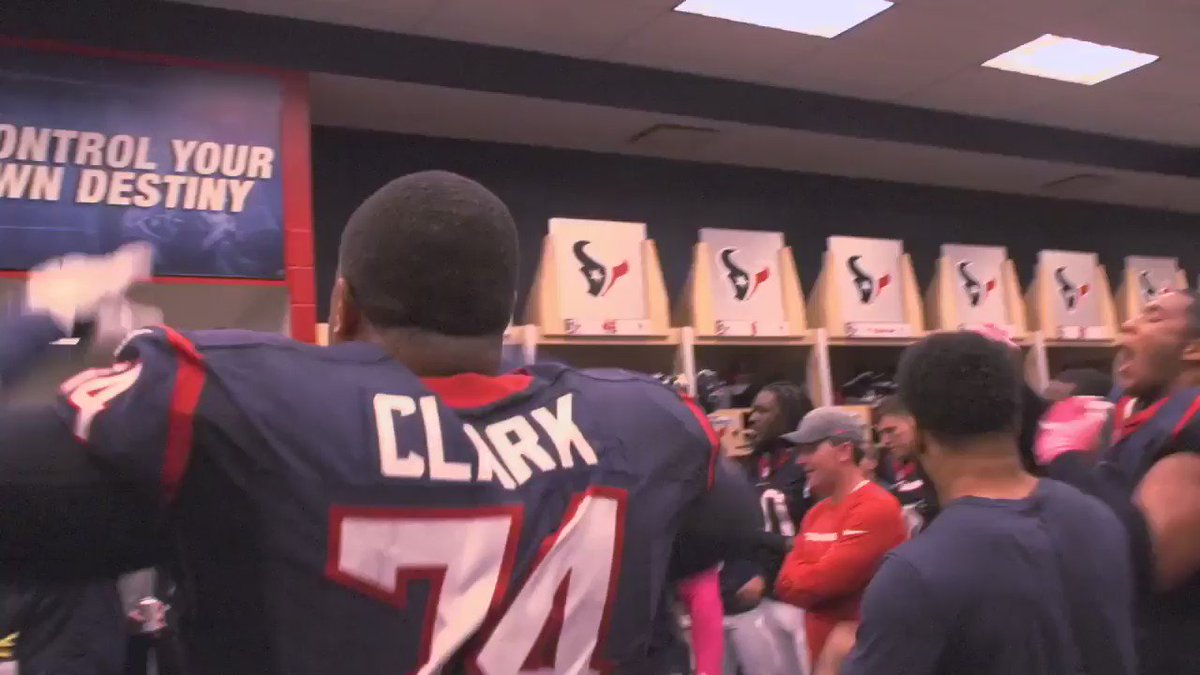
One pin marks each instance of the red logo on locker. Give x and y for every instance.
(869, 289)
(976, 292)
(599, 277)
(742, 283)
(1071, 294)
(1149, 290)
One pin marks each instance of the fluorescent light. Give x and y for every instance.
(1070, 60)
(822, 18)
(66, 342)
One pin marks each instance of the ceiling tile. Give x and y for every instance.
(1145, 27)
(571, 28)
(913, 30)
(1039, 16)
(1168, 78)
(697, 44)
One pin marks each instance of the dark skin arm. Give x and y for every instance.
(1169, 499)
(725, 522)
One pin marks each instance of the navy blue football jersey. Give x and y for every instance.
(783, 491)
(334, 513)
(783, 496)
(1167, 621)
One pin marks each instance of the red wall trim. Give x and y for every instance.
(161, 59)
(297, 207)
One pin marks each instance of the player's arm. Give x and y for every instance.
(1069, 434)
(22, 340)
(62, 292)
(1162, 519)
(900, 632)
(726, 518)
(727, 515)
(871, 529)
(1169, 500)
(62, 514)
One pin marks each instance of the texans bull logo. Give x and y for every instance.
(600, 279)
(1149, 290)
(866, 285)
(743, 285)
(1071, 294)
(976, 292)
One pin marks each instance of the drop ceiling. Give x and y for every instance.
(920, 53)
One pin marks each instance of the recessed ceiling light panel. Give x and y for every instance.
(1070, 60)
(821, 18)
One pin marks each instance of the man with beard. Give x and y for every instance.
(769, 639)
(1150, 472)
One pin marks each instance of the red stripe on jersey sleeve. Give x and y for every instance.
(1187, 417)
(189, 382)
(710, 433)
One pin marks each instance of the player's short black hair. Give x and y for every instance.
(433, 251)
(891, 405)
(959, 385)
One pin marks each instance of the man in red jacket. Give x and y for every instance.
(845, 536)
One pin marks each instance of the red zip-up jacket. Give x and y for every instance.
(839, 548)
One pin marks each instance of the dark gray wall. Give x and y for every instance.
(675, 199)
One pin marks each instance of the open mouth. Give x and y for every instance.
(1124, 360)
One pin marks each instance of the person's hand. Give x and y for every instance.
(115, 319)
(73, 288)
(1071, 425)
(751, 593)
(134, 620)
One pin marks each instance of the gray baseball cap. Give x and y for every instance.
(827, 422)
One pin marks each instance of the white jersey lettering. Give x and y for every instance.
(509, 451)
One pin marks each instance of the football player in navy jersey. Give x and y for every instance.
(390, 504)
(897, 433)
(1149, 472)
(769, 639)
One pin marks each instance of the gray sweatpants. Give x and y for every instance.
(767, 640)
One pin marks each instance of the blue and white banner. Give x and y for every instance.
(96, 152)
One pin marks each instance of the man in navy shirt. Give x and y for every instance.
(1016, 576)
